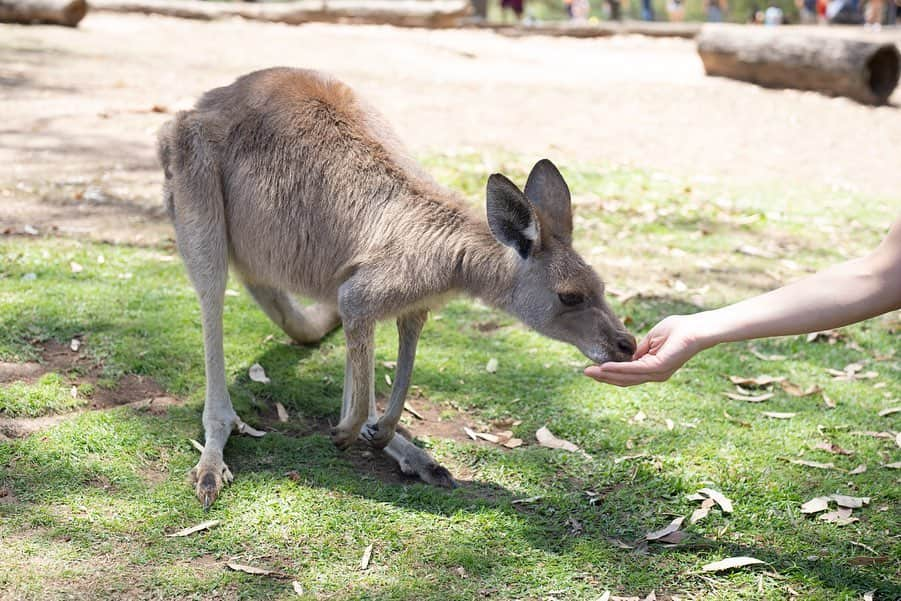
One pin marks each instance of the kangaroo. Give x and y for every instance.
(303, 188)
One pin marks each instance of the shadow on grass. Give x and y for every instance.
(626, 494)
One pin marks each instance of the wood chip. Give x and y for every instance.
(815, 505)
(750, 399)
(258, 374)
(668, 529)
(367, 556)
(778, 415)
(282, 412)
(201, 526)
(721, 499)
(730, 564)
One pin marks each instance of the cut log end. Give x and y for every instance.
(884, 68)
(49, 12)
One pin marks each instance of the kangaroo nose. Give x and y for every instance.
(626, 344)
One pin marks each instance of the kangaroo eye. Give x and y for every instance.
(571, 299)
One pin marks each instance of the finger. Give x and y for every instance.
(643, 347)
(648, 364)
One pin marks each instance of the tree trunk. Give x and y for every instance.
(54, 12)
(866, 71)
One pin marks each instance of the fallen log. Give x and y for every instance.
(402, 13)
(596, 30)
(52, 12)
(866, 71)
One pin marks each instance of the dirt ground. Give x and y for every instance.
(77, 135)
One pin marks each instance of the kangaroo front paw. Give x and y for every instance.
(378, 434)
(208, 481)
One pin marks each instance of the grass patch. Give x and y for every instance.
(50, 394)
(89, 501)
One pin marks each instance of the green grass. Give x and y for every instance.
(93, 497)
(49, 394)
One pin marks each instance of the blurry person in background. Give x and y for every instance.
(715, 10)
(568, 4)
(772, 16)
(874, 11)
(675, 10)
(807, 10)
(647, 10)
(580, 10)
(515, 6)
(615, 12)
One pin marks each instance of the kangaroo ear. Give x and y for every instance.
(511, 218)
(547, 191)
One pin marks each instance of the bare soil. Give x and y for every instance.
(81, 106)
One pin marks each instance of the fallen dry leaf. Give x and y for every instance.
(850, 502)
(196, 445)
(75, 267)
(889, 411)
(831, 336)
(778, 415)
(491, 366)
(668, 529)
(730, 563)
(489, 437)
(839, 517)
(240, 567)
(721, 499)
(673, 538)
(298, 588)
(619, 460)
(795, 390)
(756, 382)
(750, 399)
(526, 501)
(412, 411)
(250, 430)
(816, 464)
(815, 505)
(701, 512)
(830, 404)
(735, 420)
(638, 417)
(258, 374)
(670, 424)
(74, 345)
(201, 526)
(605, 596)
(859, 469)
(367, 556)
(764, 357)
(652, 596)
(506, 422)
(833, 448)
(513, 443)
(282, 412)
(471, 433)
(547, 439)
(893, 466)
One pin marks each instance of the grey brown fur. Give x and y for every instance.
(294, 180)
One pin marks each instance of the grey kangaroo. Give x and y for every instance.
(290, 177)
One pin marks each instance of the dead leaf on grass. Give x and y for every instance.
(673, 538)
(298, 588)
(196, 445)
(859, 469)
(756, 382)
(367, 556)
(864, 560)
(730, 563)
(605, 596)
(701, 512)
(75, 267)
(506, 422)
(526, 501)
(491, 366)
(750, 399)
(850, 502)
(830, 336)
(888, 411)
(724, 502)
(892, 466)
(201, 526)
(412, 411)
(735, 420)
(619, 460)
(764, 357)
(815, 505)
(778, 415)
(816, 464)
(830, 404)
(471, 433)
(668, 529)
(258, 374)
(795, 390)
(282, 412)
(513, 443)
(831, 447)
(839, 517)
(547, 439)
(638, 417)
(74, 345)
(240, 567)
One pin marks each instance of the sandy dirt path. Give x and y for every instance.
(77, 132)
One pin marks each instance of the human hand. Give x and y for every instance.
(664, 350)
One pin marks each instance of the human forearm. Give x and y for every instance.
(843, 294)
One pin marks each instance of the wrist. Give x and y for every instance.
(707, 330)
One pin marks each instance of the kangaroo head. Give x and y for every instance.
(554, 291)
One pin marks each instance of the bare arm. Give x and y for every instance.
(837, 296)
